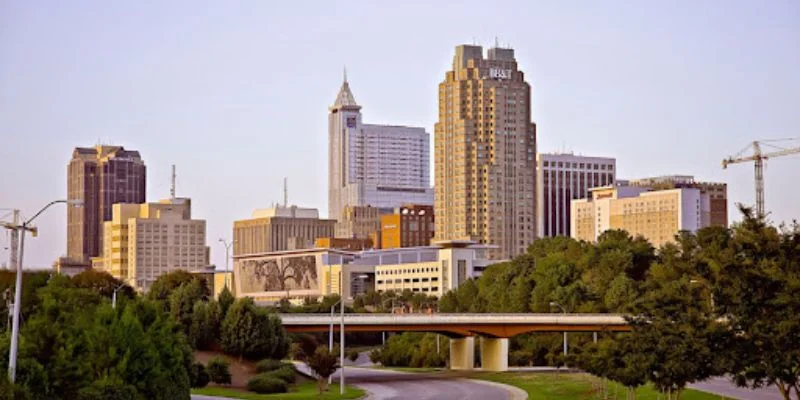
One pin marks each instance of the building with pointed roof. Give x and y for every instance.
(382, 166)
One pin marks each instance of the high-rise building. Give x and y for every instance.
(101, 176)
(561, 178)
(717, 214)
(144, 241)
(485, 149)
(657, 215)
(381, 166)
(411, 225)
(280, 228)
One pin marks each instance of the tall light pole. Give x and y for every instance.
(554, 304)
(341, 331)
(227, 245)
(26, 226)
(330, 334)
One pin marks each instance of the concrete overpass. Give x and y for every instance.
(493, 329)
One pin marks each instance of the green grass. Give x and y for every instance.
(568, 386)
(301, 391)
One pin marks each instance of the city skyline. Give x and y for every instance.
(710, 89)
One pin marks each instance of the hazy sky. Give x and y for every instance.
(236, 93)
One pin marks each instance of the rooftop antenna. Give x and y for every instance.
(496, 42)
(345, 74)
(286, 188)
(172, 186)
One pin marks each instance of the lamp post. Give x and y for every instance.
(227, 245)
(341, 333)
(26, 226)
(330, 334)
(554, 304)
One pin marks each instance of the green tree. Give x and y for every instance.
(219, 371)
(205, 325)
(225, 301)
(103, 283)
(252, 332)
(165, 284)
(183, 299)
(324, 364)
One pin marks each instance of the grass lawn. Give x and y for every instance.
(570, 386)
(301, 391)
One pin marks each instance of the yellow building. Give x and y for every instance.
(144, 241)
(280, 228)
(656, 215)
(485, 147)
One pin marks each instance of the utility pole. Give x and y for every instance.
(12, 258)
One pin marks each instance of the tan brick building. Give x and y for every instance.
(145, 241)
(280, 228)
(717, 214)
(485, 150)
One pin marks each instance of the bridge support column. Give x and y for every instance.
(462, 353)
(494, 354)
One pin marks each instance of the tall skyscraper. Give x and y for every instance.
(562, 178)
(485, 153)
(100, 176)
(381, 166)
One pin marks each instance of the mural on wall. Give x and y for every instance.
(279, 274)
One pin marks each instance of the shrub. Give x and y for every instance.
(285, 373)
(219, 370)
(265, 383)
(352, 355)
(198, 376)
(323, 363)
(268, 364)
(101, 390)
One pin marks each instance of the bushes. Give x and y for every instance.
(198, 376)
(266, 383)
(101, 390)
(268, 364)
(219, 371)
(352, 355)
(252, 332)
(285, 373)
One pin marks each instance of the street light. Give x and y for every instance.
(330, 334)
(341, 332)
(554, 304)
(26, 226)
(227, 256)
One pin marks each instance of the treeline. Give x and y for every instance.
(721, 301)
(75, 345)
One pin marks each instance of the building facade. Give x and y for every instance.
(100, 176)
(656, 215)
(280, 228)
(717, 192)
(313, 273)
(381, 166)
(561, 178)
(485, 149)
(409, 226)
(145, 241)
(360, 222)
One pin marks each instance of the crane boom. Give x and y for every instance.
(758, 157)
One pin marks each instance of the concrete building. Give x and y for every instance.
(409, 226)
(561, 178)
(101, 176)
(485, 149)
(382, 166)
(347, 244)
(313, 273)
(657, 215)
(717, 193)
(361, 222)
(280, 228)
(145, 241)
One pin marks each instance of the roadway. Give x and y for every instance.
(724, 387)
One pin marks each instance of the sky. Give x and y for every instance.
(236, 94)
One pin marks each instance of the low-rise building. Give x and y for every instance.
(313, 273)
(657, 215)
(411, 225)
(717, 213)
(280, 228)
(145, 241)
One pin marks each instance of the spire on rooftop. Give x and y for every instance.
(345, 97)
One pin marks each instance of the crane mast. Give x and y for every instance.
(758, 157)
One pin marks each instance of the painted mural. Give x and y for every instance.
(279, 274)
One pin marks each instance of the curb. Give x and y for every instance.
(516, 393)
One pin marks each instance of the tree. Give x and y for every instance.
(225, 301)
(198, 375)
(218, 370)
(352, 355)
(103, 283)
(324, 364)
(252, 332)
(183, 299)
(205, 322)
(165, 284)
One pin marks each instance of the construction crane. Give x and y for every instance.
(759, 156)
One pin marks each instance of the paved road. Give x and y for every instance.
(725, 387)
